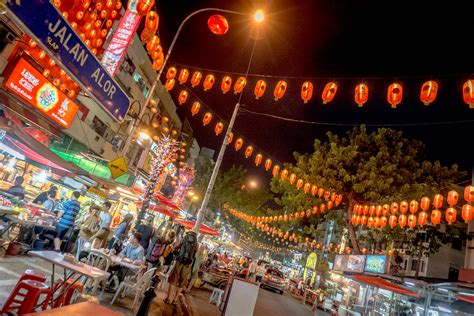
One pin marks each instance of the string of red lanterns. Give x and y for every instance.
(379, 216)
(428, 91)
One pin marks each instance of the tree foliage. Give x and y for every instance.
(366, 167)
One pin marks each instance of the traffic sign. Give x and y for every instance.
(118, 167)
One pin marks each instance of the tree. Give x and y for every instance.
(366, 167)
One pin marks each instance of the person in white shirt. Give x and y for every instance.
(252, 270)
(100, 238)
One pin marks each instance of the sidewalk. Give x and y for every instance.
(198, 300)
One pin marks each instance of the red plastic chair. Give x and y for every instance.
(25, 298)
(64, 299)
(33, 275)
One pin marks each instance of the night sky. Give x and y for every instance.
(377, 42)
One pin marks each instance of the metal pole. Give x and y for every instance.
(215, 171)
(155, 83)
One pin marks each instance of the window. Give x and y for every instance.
(98, 126)
(146, 91)
(137, 77)
(7, 35)
(414, 265)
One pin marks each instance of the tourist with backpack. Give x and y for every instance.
(184, 259)
(160, 248)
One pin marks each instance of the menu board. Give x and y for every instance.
(376, 264)
(355, 263)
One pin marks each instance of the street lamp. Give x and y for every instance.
(200, 215)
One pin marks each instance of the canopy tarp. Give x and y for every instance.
(203, 229)
(384, 284)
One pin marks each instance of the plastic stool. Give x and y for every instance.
(216, 297)
(33, 275)
(64, 299)
(25, 297)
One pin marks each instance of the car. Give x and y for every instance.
(216, 277)
(273, 279)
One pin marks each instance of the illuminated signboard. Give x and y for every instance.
(115, 51)
(355, 263)
(376, 264)
(340, 263)
(30, 85)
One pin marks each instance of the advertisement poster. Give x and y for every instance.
(340, 263)
(31, 86)
(355, 263)
(375, 264)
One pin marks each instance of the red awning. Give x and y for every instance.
(203, 229)
(465, 298)
(163, 210)
(166, 202)
(384, 284)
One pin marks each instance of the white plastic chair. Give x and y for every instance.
(165, 276)
(140, 286)
(101, 261)
(216, 296)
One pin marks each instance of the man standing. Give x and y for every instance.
(17, 189)
(99, 238)
(66, 218)
(179, 276)
(147, 231)
(252, 270)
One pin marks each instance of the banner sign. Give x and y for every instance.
(375, 264)
(31, 86)
(115, 51)
(60, 41)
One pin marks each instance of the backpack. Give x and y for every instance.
(156, 251)
(188, 249)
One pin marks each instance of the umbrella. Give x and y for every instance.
(165, 201)
(203, 229)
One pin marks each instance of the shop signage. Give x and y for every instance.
(115, 51)
(355, 263)
(30, 85)
(340, 263)
(310, 266)
(375, 264)
(97, 192)
(58, 38)
(118, 167)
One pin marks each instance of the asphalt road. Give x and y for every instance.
(271, 303)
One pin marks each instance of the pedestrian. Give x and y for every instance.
(201, 255)
(88, 227)
(50, 203)
(147, 231)
(66, 217)
(260, 272)
(121, 233)
(43, 196)
(98, 239)
(179, 276)
(17, 189)
(252, 270)
(160, 248)
(132, 252)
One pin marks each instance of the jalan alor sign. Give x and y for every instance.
(41, 20)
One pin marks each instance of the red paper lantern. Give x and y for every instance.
(425, 203)
(153, 44)
(358, 220)
(428, 92)
(378, 210)
(435, 217)
(467, 212)
(403, 207)
(248, 151)
(207, 118)
(307, 187)
(183, 76)
(231, 136)
(169, 85)
(196, 78)
(259, 90)
(469, 193)
(280, 89)
(411, 220)
(276, 170)
(315, 211)
(299, 184)
(218, 24)
(370, 222)
(292, 178)
(372, 210)
(468, 93)
(394, 208)
(195, 107)
(402, 221)
(392, 221)
(219, 128)
(322, 208)
(451, 215)
(395, 94)
(361, 94)
(284, 174)
(338, 199)
(226, 84)
(413, 206)
(329, 92)
(453, 197)
(183, 97)
(363, 220)
(143, 6)
(385, 209)
(238, 144)
(438, 201)
(383, 222)
(376, 223)
(258, 159)
(320, 192)
(422, 218)
(306, 91)
(268, 164)
(314, 190)
(171, 73)
(327, 194)
(240, 85)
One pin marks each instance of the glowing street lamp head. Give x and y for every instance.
(144, 135)
(259, 16)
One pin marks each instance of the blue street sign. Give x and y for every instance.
(46, 23)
